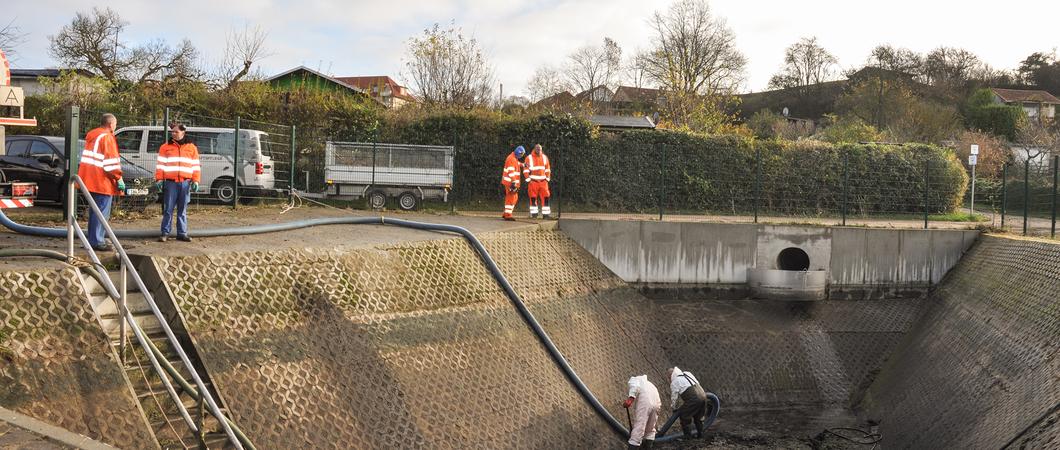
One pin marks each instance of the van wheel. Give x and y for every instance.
(223, 191)
(408, 201)
(376, 200)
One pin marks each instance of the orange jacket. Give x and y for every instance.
(510, 175)
(537, 168)
(178, 161)
(100, 166)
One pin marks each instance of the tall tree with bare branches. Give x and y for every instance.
(695, 63)
(695, 51)
(546, 81)
(243, 49)
(11, 36)
(592, 66)
(448, 69)
(92, 41)
(806, 63)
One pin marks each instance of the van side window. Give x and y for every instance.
(129, 141)
(155, 139)
(205, 141)
(225, 144)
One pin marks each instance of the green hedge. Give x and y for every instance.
(636, 171)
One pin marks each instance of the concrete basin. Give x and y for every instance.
(777, 284)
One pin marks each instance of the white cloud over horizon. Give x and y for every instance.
(368, 38)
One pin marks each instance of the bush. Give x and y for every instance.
(1000, 120)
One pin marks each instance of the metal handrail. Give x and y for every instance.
(72, 227)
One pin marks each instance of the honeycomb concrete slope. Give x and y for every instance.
(979, 369)
(414, 345)
(56, 364)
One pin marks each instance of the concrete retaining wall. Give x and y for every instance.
(712, 253)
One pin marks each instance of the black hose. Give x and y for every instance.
(42, 253)
(524, 312)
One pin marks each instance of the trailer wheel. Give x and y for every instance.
(376, 200)
(408, 201)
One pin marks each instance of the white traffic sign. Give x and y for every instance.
(12, 96)
(972, 159)
(975, 149)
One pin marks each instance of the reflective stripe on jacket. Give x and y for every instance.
(178, 161)
(100, 166)
(537, 168)
(512, 167)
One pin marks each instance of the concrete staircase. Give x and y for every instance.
(162, 413)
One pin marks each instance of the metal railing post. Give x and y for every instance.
(237, 166)
(123, 306)
(1056, 178)
(1004, 193)
(927, 189)
(846, 182)
(1026, 193)
(452, 201)
(758, 180)
(294, 155)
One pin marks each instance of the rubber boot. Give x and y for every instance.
(631, 446)
(686, 430)
(699, 428)
(647, 444)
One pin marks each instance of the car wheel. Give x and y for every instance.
(376, 200)
(408, 201)
(223, 191)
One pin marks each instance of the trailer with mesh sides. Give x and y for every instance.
(378, 173)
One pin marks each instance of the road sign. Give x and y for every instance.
(12, 96)
(972, 159)
(975, 149)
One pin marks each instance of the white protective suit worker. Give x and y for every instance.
(685, 387)
(644, 398)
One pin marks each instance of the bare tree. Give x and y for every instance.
(637, 71)
(156, 60)
(91, 41)
(11, 36)
(806, 63)
(695, 52)
(448, 69)
(947, 66)
(897, 59)
(243, 49)
(545, 82)
(592, 66)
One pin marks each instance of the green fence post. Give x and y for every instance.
(73, 158)
(290, 187)
(927, 189)
(846, 181)
(1056, 171)
(452, 201)
(1004, 193)
(1026, 193)
(758, 180)
(662, 179)
(237, 166)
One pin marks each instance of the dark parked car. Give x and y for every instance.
(41, 159)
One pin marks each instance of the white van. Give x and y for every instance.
(140, 144)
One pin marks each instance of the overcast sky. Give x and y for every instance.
(348, 38)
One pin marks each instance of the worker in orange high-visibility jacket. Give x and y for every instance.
(510, 179)
(538, 173)
(178, 173)
(100, 169)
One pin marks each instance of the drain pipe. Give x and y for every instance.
(42, 253)
(524, 312)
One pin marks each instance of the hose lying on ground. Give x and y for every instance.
(524, 312)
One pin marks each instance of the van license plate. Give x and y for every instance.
(136, 191)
